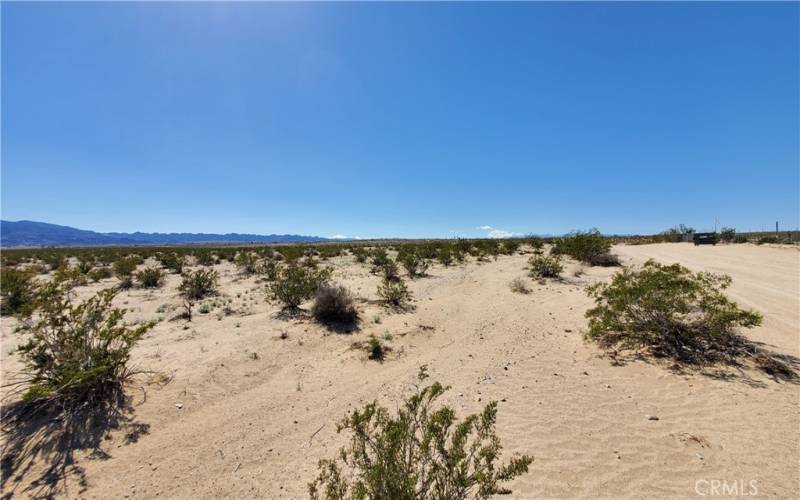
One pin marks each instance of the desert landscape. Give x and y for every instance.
(242, 399)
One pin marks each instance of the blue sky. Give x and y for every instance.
(409, 120)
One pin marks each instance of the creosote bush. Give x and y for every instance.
(172, 261)
(334, 303)
(99, 273)
(124, 269)
(413, 263)
(395, 293)
(605, 260)
(198, 284)
(545, 267)
(17, 289)
(582, 245)
(671, 312)
(150, 277)
(294, 285)
(76, 353)
(423, 451)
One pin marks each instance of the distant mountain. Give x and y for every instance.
(40, 234)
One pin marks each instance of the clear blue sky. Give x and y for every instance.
(403, 120)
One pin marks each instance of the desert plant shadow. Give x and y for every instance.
(777, 366)
(342, 327)
(52, 437)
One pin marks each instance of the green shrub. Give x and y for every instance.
(334, 303)
(124, 269)
(670, 311)
(198, 284)
(247, 262)
(99, 273)
(582, 245)
(421, 452)
(395, 293)
(376, 349)
(413, 263)
(150, 277)
(727, 234)
(360, 253)
(379, 259)
(740, 239)
(542, 266)
(294, 285)
(17, 289)
(76, 354)
(70, 275)
(172, 261)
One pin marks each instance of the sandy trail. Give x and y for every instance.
(255, 428)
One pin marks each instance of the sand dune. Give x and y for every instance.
(248, 414)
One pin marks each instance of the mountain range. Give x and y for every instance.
(27, 233)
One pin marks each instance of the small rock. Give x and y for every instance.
(179, 406)
(652, 417)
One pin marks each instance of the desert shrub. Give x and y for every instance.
(84, 266)
(605, 260)
(150, 277)
(395, 293)
(198, 284)
(538, 245)
(727, 234)
(390, 270)
(542, 266)
(413, 263)
(55, 261)
(518, 285)
(204, 257)
(376, 349)
(334, 303)
(740, 239)
(76, 354)
(99, 273)
(360, 254)
(582, 245)
(172, 261)
(247, 262)
(123, 269)
(295, 284)
(670, 311)
(70, 275)
(379, 259)
(421, 452)
(445, 255)
(510, 246)
(17, 289)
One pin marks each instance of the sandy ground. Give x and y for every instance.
(257, 411)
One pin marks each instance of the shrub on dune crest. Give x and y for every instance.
(545, 267)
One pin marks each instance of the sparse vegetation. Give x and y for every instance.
(76, 354)
(198, 284)
(672, 312)
(334, 303)
(150, 277)
(413, 263)
(124, 269)
(518, 285)
(17, 288)
(542, 266)
(296, 284)
(395, 293)
(421, 452)
(172, 261)
(585, 246)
